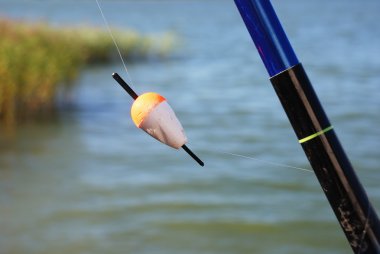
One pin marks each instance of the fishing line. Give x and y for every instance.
(266, 162)
(114, 40)
(130, 79)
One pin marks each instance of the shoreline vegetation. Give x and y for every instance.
(39, 61)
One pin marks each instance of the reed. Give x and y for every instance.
(37, 61)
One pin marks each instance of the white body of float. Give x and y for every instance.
(151, 113)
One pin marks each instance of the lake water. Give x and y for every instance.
(90, 182)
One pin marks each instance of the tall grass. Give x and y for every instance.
(38, 60)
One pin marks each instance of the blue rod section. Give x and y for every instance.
(268, 35)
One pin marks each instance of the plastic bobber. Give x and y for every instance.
(152, 113)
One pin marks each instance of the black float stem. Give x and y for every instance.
(189, 152)
(134, 95)
(124, 85)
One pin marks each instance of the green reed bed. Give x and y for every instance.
(37, 61)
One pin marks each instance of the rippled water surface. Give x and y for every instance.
(90, 182)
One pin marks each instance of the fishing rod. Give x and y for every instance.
(338, 180)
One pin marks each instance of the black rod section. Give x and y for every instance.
(124, 85)
(134, 95)
(196, 158)
(335, 173)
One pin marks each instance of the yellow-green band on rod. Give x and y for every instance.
(315, 134)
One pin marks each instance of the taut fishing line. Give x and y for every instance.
(266, 161)
(114, 40)
(130, 79)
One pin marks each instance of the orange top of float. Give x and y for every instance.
(143, 105)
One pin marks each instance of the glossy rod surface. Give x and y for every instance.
(347, 197)
(268, 35)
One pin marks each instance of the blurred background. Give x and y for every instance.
(76, 176)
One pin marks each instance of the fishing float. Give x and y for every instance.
(152, 113)
(316, 135)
